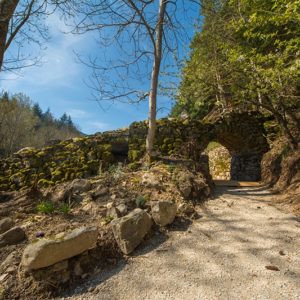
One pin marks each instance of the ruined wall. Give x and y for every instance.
(242, 134)
(76, 158)
(173, 137)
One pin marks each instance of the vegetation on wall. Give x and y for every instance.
(24, 124)
(245, 56)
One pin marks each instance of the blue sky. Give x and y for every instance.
(59, 83)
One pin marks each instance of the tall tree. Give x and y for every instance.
(145, 32)
(247, 52)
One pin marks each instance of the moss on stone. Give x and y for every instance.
(45, 183)
(134, 155)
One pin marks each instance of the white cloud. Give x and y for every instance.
(59, 67)
(100, 126)
(78, 113)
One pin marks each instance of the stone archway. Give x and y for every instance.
(241, 133)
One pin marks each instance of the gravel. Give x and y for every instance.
(242, 247)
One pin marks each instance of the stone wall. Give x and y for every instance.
(246, 167)
(241, 133)
(76, 158)
(186, 139)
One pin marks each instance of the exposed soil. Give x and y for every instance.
(242, 247)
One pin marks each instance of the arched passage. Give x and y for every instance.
(219, 160)
(241, 133)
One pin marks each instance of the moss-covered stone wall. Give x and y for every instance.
(242, 134)
(186, 138)
(75, 158)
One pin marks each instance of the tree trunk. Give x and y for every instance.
(7, 8)
(286, 131)
(154, 78)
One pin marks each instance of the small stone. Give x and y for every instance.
(12, 237)
(281, 252)
(77, 269)
(100, 192)
(130, 230)
(185, 208)
(113, 212)
(60, 266)
(6, 224)
(272, 268)
(11, 270)
(122, 208)
(163, 212)
(3, 277)
(80, 185)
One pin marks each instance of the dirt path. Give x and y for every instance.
(222, 255)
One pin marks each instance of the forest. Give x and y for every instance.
(24, 124)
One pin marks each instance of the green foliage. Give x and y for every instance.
(140, 201)
(64, 208)
(24, 124)
(245, 56)
(108, 219)
(46, 207)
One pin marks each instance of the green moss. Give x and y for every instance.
(107, 156)
(45, 183)
(134, 155)
(41, 154)
(134, 166)
(107, 147)
(4, 187)
(56, 175)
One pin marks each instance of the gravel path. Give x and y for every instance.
(222, 255)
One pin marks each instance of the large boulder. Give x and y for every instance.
(163, 212)
(130, 230)
(47, 252)
(6, 224)
(13, 236)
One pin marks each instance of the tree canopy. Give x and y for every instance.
(245, 56)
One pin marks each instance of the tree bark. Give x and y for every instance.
(154, 78)
(7, 8)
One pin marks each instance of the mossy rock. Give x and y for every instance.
(41, 154)
(134, 166)
(107, 147)
(45, 183)
(57, 175)
(134, 155)
(4, 187)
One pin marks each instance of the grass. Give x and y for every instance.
(140, 201)
(48, 207)
(45, 207)
(64, 208)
